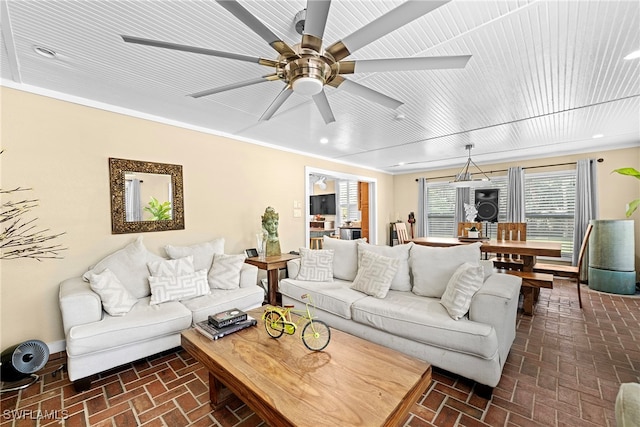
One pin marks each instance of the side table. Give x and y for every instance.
(273, 264)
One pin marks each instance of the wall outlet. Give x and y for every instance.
(297, 213)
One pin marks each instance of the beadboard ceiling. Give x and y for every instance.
(544, 77)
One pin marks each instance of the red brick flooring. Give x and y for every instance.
(564, 369)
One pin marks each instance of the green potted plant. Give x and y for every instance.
(633, 205)
(159, 211)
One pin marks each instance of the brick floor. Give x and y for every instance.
(564, 369)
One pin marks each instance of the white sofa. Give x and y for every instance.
(410, 317)
(97, 341)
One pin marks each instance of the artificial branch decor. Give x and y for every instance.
(19, 237)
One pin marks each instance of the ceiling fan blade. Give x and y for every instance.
(403, 64)
(250, 82)
(321, 101)
(194, 49)
(392, 20)
(315, 21)
(237, 10)
(365, 92)
(277, 103)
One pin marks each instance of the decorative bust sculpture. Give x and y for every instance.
(270, 226)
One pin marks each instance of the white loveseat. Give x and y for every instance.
(148, 319)
(410, 317)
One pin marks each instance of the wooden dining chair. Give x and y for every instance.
(401, 232)
(510, 231)
(570, 271)
(463, 228)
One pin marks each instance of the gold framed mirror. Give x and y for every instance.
(145, 196)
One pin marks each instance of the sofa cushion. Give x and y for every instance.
(116, 299)
(129, 265)
(345, 258)
(402, 280)
(178, 288)
(462, 286)
(172, 267)
(225, 271)
(334, 297)
(143, 322)
(432, 267)
(224, 299)
(425, 320)
(375, 273)
(202, 252)
(316, 265)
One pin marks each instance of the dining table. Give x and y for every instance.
(527, 250)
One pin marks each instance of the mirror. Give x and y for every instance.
(145, 196)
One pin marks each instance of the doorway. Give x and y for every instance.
(364, 188)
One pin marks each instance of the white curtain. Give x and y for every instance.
(422, 224)
(586, 207)
(515, 195)
(133, 211)
(463, 195)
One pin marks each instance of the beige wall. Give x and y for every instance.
(60, 149)
(615, 190)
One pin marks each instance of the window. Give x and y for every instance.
(348, 194)
(549, 207)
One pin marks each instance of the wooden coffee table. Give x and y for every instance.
(352, 382)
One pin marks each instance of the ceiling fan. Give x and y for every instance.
(306, 68)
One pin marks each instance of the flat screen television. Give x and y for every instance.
(323, 204)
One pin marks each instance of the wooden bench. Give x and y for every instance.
(531, 284)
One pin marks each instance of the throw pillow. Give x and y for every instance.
(172, 267)
(116, 299)
(202, 253)
(177, 288)
(129, 265)
(462, 286)
(402, 280)
(225, 271)
(316, 265)
(375, 274)
(432, 267)
(345, 261)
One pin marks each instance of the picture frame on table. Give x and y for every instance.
(253, 252)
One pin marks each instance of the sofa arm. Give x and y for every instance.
(78, 303)
(248, 276)
(496, 304)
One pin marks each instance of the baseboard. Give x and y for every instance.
(57, 346)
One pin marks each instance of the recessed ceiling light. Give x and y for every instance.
(633, 55)
(324, 140)
(597, 135)
(45, 51)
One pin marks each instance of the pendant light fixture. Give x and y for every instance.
(464, 178)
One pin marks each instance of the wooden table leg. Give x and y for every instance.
(527, 304)
(219, 395)
(272, 283)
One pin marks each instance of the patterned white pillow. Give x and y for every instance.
(116, 299)
(129, 265)
(316, 265)
(172, 267)
(462, 286)
(225, 271)
(177, 288)
(202, 253)
(375, 274)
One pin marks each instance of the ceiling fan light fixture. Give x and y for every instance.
(307, 86)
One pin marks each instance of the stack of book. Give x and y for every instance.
(224, 323)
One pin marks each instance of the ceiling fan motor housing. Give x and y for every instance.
(309, 73)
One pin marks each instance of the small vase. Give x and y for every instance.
(474, 234)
